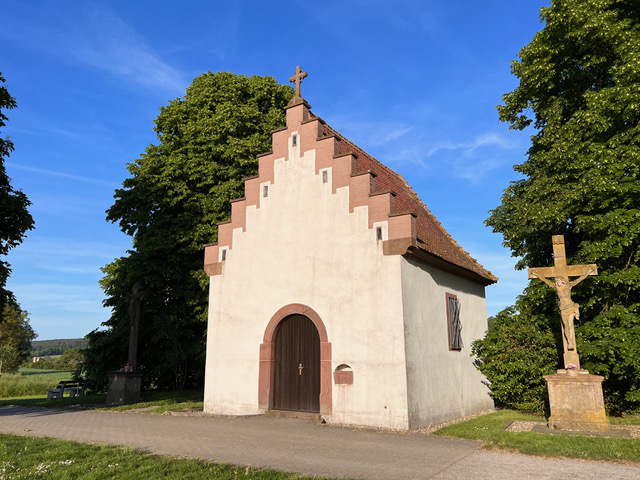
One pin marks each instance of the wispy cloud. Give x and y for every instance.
(468, 148)
(53, 173)
(403, 144)
(474, 159)
(60, 297)
(108, 43)
(101, 41)
(373, 134)
(60, 253)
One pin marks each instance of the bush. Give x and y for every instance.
(514, 355)
(71, 359)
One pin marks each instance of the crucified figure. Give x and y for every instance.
(569, 310)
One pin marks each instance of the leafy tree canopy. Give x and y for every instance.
(178, 191)
(15, 219)
(15, 336)
(40, 348)
(580, 90)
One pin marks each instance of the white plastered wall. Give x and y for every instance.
(442, 384)
(303, 246)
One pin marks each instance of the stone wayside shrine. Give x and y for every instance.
(125, 385)
(334, 291)
(575, 396)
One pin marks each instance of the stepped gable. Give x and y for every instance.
(432, 238)
(412, 229)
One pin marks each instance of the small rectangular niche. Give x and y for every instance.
(325, 176)
(265, 191)
(294, 140)
(343, 375)
(223, 255)
(378, 234)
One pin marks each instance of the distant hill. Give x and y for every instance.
(41, 348)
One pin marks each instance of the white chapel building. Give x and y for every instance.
(334, 290)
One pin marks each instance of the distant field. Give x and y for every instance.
(31, 381)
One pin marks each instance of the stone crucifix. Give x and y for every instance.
(135, 299)
(569, 310)
(297, 78)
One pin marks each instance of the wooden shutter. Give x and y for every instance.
(455, 326)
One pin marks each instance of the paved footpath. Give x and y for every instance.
(300, 446)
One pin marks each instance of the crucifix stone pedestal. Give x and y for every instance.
(124, 387)
(575, 396)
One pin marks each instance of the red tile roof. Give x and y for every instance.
(432, 238)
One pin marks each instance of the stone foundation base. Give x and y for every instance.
(576, 402)
(124, 387)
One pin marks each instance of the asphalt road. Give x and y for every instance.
(301, 446)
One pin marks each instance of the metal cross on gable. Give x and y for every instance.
(297, 78)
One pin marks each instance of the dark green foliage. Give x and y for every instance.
(72, 359)
(15, 337)
(514, 355)
(178, 191)
(579, 89)
(41, 348)
(15, 219)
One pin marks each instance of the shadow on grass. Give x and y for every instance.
(36, 371)
(163, 400)
(489, 429)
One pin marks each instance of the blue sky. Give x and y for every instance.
(413, 83)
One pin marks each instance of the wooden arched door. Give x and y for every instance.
(297, 365)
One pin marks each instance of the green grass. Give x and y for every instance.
(489, 430)
(163, 401)
(29, 457)
(30, 382)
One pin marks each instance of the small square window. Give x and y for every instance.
(294, 140)
(265, 190)
(325, 176)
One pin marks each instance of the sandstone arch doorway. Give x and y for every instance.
(296, 379)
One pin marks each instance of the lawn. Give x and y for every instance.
(162, 401)
(486, 428)
(29, 388)
(30, 457)
(31, 381)
(489, 430)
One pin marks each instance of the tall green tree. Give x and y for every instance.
(178, 191)
(15, 219)
(580, 91)
(15, 336)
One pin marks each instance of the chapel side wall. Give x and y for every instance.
(442, 384)
(302, 245)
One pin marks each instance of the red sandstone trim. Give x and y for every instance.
(267, 357)
(213, 269)
(313, 133)
(343, 174)
(342, 377)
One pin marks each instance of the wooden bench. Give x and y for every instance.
(73, 387)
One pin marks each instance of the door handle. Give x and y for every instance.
(300, 368)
